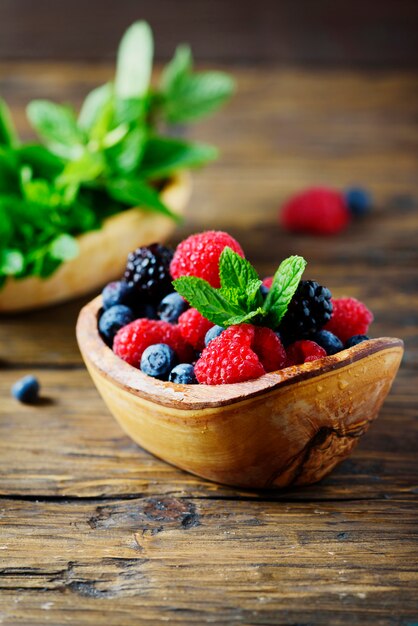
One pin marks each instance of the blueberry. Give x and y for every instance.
(171, 307)
(145, 310)
(264, 291)
(158, 360)
(112, 320)
(118, 292)
(212, 333)
(328, 341)
(358, 200)
(26, 389)
(183, 374)
(355, 339)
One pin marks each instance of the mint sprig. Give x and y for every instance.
(285, 283)
(239, 299)
(117, 153)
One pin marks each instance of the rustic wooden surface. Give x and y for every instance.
(372, 33)
(93, 530)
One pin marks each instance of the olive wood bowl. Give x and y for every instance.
(102, 253)
(289, 427)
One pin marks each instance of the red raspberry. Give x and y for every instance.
(303, 352)
(269, 349)
(229, 358)
(319, 210)
(268, 281)
(193, 327)
(131, 340)
(349, 317)
(198, 255)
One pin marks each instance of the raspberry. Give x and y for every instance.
(229, 358)
(198, 255)
(193, 328)
(308, 311)
(319, 210)
(148, 270)
(268, 281)
(269, 349)
(303, 352)
(349, 317)
(131, 340)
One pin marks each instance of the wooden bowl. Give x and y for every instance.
(289, 427)
(103, 251)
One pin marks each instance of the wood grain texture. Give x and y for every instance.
(94, 530)
(373, 33)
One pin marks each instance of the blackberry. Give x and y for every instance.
(148, 270)
(309, 310)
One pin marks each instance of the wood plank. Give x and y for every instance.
(70, 446)
(371, 34)
(195, 561)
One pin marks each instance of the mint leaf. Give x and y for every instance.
(136, 193)
(11, 262)
(88, 167)
(64, 248)
(56, 124)
(126, 156)
(93, 105)
(244, 319)
(8, 135)
(134, 61)
(206, 299)
(197, 95)
(163, 156)
(239, 280)
(285, 283)
(175, 71)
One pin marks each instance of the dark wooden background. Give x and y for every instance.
(372, 33)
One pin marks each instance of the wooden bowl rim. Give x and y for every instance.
(192, 397)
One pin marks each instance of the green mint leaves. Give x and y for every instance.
(112, 156)
(239, 298)
(284, 285)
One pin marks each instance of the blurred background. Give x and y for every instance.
(369, 34)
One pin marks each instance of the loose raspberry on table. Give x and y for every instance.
(319, 211)
(198, 255)
(269, 349)
(229, 358)
(349, 317)
(193, 327)
(304, 351)
(131, 340)
(268, 281)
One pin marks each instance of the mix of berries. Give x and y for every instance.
(324, 211)
(153, 328)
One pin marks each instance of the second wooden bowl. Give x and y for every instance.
(103, 251)
(289, 427)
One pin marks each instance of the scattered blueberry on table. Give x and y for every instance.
(26, 389)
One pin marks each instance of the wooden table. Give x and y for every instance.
(93, 530)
